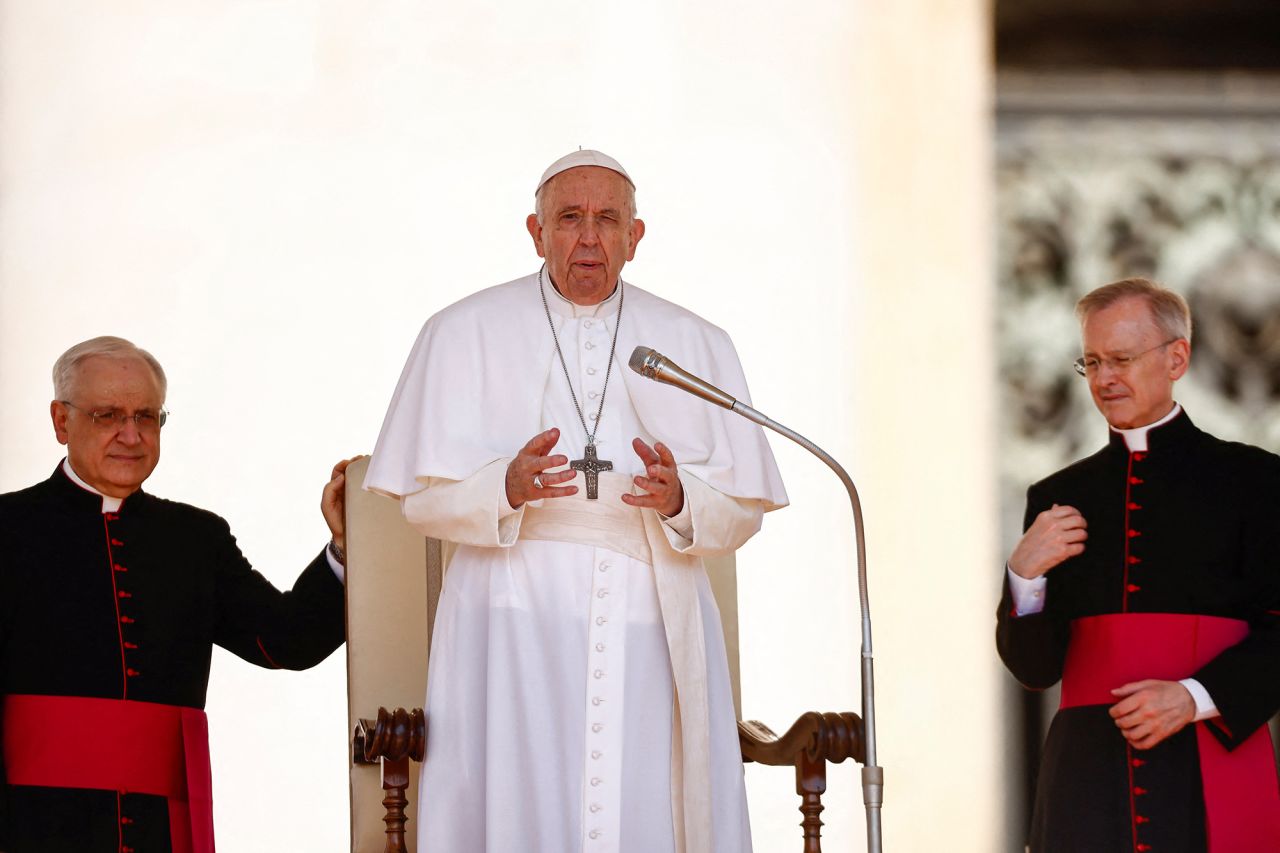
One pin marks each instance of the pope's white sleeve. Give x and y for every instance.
(716, 523)
(473, 511)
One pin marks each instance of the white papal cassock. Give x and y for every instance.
(578, 696)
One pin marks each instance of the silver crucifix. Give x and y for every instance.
(591, 467)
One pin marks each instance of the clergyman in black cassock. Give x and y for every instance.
(109, 609)
(1168, 568)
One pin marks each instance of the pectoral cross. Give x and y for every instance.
(590, 466)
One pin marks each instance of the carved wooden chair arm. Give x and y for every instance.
(831, 736)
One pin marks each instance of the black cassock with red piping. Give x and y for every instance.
(128, 605)
(1190, 526)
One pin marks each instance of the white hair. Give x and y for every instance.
(66, 369)
(539, 198)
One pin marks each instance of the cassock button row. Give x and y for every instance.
(594, 416)
(592, 394)
(595, 808)
(599, 673)
(597, 700)
(591, 371)
(596, 754)
(597, 728)
(600, 647)
(595, 833)
(587, 323)
(595, 781)
(589, 345)
(604, 567)
(600, 620)
(603, 593)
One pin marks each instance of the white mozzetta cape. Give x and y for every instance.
(472, 394)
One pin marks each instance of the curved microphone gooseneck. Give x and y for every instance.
(653, 365)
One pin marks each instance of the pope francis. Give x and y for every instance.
(578, 697)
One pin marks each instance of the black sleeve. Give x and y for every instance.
(1033, 647)
(1244, 681)
(280, 630)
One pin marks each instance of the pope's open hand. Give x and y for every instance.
(333, 502)
(526, 477)
(1056, 534)
(1150, 711)
(662, 483)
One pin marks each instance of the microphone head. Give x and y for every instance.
(644, 360)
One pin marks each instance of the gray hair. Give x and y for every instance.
(1168, 309)
(539, 198)
(67, 367)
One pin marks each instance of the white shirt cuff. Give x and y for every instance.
(1205, 708)
(1028, 595)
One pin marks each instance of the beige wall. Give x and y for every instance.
(232, 184)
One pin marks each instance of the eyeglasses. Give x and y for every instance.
(113, 419)
(1087, 365)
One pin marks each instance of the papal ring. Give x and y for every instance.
(537, 481)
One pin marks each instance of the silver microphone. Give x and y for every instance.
(653, 365)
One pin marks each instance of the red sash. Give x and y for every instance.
(1241, 792)
(116, 745)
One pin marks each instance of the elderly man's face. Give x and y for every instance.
(588, 232)
(1139, 390)
(113, 459)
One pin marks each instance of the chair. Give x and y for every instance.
(394, 579)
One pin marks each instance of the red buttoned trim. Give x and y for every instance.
(1134, 534)
(1132, 587)
(1142, 848)
(121, 619)
(1133, 505)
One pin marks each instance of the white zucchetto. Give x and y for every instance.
(578, 158)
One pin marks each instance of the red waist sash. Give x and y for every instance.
(1241, 792)
(116, 745)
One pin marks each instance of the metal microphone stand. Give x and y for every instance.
(872, 774)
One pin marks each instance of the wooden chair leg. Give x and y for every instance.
(395, 781)
(811, 784)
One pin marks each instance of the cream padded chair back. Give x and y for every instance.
(394, 577)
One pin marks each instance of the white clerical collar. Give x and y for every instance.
(1136, 439)
(109, 504)
(562, 306)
